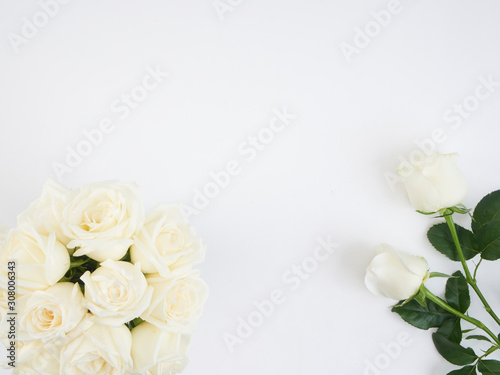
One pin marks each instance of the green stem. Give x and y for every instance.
(475, 270)
(438, 301)
(470, 280)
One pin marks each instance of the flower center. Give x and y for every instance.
(96, 366)
(170, 240)
(116, 293)
(46, 318)
(100, 216)
(178, 302)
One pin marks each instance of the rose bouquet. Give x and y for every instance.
(437, 187)
(90, 284)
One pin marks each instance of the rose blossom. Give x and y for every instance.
(41, 260)
(395, 275)
(33, 358)
(166, 241)
(435, 183)
(116, 292)
(158, 352)
(101, 218)
(96, 349)
(49, 314)
(177, 301)
(44, 214)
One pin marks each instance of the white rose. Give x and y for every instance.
(34, 359)
(49, 314)
(158, 352)
(97, 349)
(395, 275)
(101, 219)
(167, 241)
(41, 261)
(435, 183)
(45, 212)
(177, 301)
(116, 292)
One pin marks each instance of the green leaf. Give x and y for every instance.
(440, 237)
(467, 370)
(488, 240)
(421, 317)
(487, 210)
(489, 367)
(452, 330)
(453, 352)
(134, 323)
(457, 292)
(478, 337)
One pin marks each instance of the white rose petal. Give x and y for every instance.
(158, 352)
(177, 301)
(435, 183)
(44, 214)
(166, 242)
(97, 350)
(52, 313)
(41, 261)
(34, 359)
(101, 218)
(116, 292)
(395, 275)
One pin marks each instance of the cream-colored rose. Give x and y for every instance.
(101, 218)
(116, 292)
(45, 212)
(435, 183)
(41, 261)
(34, 359)
(51, 313)
(394, 274)
(158, 352)
(166, 242)
(166, 368)
(96, 349)
(177, 301)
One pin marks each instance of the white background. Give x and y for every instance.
(323, 175)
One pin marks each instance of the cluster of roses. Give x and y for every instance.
(101, 288)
